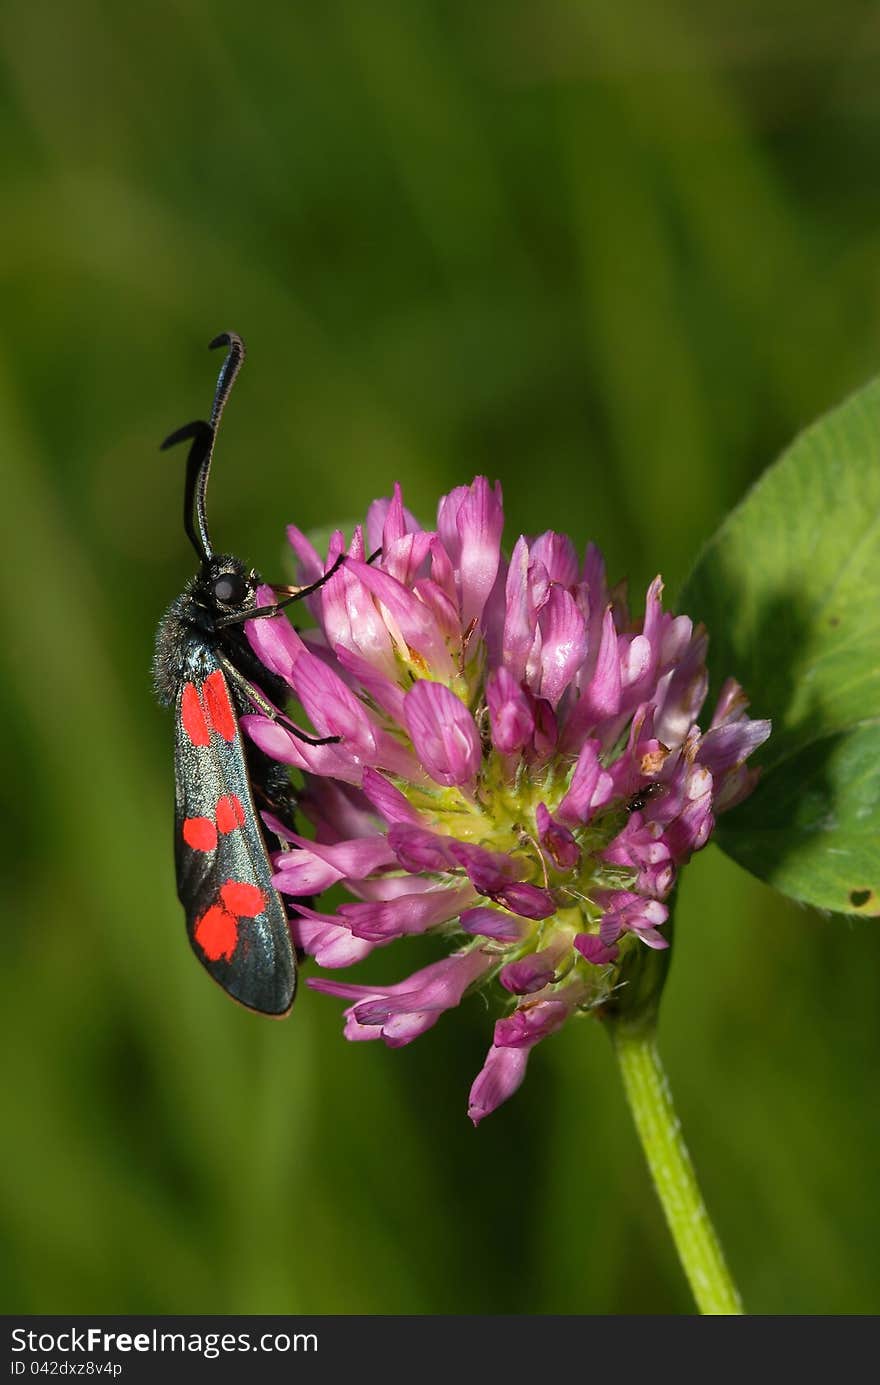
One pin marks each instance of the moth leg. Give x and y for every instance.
(254, 696)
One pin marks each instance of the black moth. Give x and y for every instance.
(236, 920)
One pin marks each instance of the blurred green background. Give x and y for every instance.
(615, 254)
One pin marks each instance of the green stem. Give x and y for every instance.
(657, 1124)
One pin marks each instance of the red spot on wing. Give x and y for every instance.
(242, 899)
(230, 813)
(220, 714)
(193, 717)
(200, 834)
(217, 933)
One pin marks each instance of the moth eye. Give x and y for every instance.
(230, 588)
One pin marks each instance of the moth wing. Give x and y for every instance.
(236, 921)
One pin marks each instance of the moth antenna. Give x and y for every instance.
(226, 379)
(197, 463)
(228, 371)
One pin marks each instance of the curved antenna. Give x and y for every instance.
(199, 458)
(226, 379)
(228, 371)
(198, 463)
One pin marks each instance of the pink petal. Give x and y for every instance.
(417, 849)
(408, 913)
(387, 799)
(398, 759)
(411, 624)
(735, 786)
(332, 707)
(641, 848)
(437, 987)
(590, 787)
(470, 525)
(725, 748)
(501, 1075)
(594, 578)
(492, 623)
(556, 840)
(404, 1011)
(356, 858)
(384, 887)
(594, 950)
(324, 938)
(652, 938)
(630, 912)
(681, 693)
(510, 714)
(528, 901)
(556, 553)
(309, 561)
(525, 594)
(691, 829)
(442, 573)
(301, 873)
(277, 827)
(338, 811)
(443, 733)
(546, 729)
(732, 704)
(640, 654)
(274, 640)
(447, 513)
(374, 682)
(443, 608)
(677, 635)
(532, 973)
(563, 643)
(352, 621)
(492, 923)
(637, 845)
(531, 1022)
(405, 557)
(388, 520)
(610, 930)
(643, 757)
(280, 744)
(488, 871)
(637, 660)
(601, 697)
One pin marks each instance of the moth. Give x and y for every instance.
(204, 668)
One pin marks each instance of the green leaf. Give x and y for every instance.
(789, 589)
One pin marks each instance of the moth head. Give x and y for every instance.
(228, 584)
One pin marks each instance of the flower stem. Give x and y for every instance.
(650, 1101)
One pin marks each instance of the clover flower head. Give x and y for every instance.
(519, 768)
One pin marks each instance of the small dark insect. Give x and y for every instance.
(642, 798)
(203, 665)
